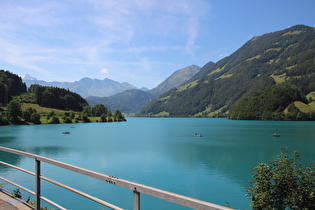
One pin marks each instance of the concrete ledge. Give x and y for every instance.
(9, 203)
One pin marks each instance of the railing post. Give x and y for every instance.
(136, 200)
(37, 184)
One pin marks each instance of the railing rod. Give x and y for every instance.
(37, 184)
(63, 186)
(60, 185)
(81, 193)
(158, 193)
(18, 186)
(136, 200)
(33, 193)
(53, 203)
(18, 168)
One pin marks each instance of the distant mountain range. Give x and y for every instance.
(132, 101)
(114, 95)
(85, 87)
(281, 57)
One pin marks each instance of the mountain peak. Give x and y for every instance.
(85, 86)
(28, 77)
(176, 79)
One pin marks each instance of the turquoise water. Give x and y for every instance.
(159, 152)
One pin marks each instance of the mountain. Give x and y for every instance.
(129, 101)
(132, 101)
(175, 80)
(278, 102)
(58, 98)
(281, 57)
(86, 86)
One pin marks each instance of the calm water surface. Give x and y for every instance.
(159, 152)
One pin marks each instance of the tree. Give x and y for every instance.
(98, 110)
(118, 116)
(3, 118)
(72, 115)
(50, 114)
(14, 111)
(87, 110)
(66, 117)
(85, 119)
(27, 113)
(35, 118)
(284, 184)
(55, 119)
(103, 118)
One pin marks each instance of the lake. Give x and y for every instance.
(159, 152)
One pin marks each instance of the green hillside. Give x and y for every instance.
(133, 101)
(175, 80)
(278, 102)
(283, 57)
(10, 85)
(41, 104)
(129, 101)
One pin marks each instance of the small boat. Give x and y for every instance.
(275, 135)
(198, 135)
(66, 132)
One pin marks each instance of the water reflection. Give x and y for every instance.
(6, 139)
(234, 147)
(164, 153)
(48, 151)
(9, 158)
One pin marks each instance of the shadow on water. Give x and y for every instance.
(6, 139)
(9, 158)
(48, 151)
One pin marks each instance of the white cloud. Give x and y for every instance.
(89, 34)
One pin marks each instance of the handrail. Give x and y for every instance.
(135, 187)
(55, 183)
(33, 193)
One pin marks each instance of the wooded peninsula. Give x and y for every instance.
(39, 104)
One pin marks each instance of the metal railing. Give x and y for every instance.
(135, 187)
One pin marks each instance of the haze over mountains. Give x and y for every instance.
(115, 95)
(86, 86)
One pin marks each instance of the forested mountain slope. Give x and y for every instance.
(132, 101)
(10, 85)
(278, 102)
(286, 57)
(129, 101)
(175, 80)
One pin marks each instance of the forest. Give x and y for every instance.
(41, 104)
(275, 103)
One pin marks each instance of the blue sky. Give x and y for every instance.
(141, 42)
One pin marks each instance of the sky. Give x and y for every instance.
(141, 42)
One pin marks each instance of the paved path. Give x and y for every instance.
(9, 203)
(4, 205)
